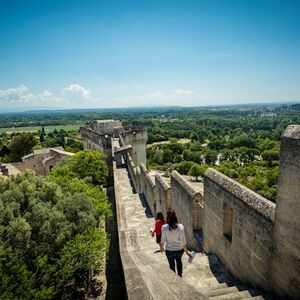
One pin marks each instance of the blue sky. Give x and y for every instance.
(109, 53)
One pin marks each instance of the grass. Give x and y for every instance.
(36, 128)
(180, 141)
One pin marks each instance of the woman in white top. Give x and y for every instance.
(173, 238)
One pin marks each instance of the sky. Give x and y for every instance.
(110, 53)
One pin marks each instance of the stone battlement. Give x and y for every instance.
(257, 240)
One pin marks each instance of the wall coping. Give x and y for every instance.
(143, 168)
(138, 170)
(151, 181)
(161, 181)
(184, 184)
(82, 129)
(260, 204)
(292, 132)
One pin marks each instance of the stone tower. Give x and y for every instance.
(137, 138)
(103, 132)
(286, 260)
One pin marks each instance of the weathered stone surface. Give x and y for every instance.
(248, 252)
(162, 195)
(146, 271)
(258, 241)
(286, 260)
(260, 204)
(185, 200)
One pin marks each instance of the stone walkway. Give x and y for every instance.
(146, 270)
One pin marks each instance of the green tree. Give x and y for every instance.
(184, 167)
(158, 156)
(197, 170)
(50, 230)
(22, 145)
(270, 155)
(89, 164)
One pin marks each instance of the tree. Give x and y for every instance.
(89, 164)
(270, 155)
(22, 145)
(51, 233)
(4, 151)
(210, 156)
(197, 170)
(158, 156)
(184, 167)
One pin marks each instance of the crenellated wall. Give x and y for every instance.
(258, 241)
(238, 227)
(144, 173)
(185, 200)
(162, 195)
(149, 192)
(180, 195)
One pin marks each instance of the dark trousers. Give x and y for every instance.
(175, 256)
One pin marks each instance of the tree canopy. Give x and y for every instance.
(50, 232)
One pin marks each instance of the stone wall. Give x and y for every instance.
(105, 126)
(257, 241)
(238, 227)
(180, 195)
(149, 192)
(162, 195)
(144, 173)
(132, 169)
(137, 138)
(98, 142)
(92, 140)
(184, 200)
(286, 258)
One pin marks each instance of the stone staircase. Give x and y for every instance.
(146, 270)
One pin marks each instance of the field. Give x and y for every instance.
(36, 128)
(180, 141)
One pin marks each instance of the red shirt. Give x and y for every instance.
(158, 226)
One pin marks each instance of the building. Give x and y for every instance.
(41, 161)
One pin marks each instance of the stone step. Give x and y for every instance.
(151, 277)
(209, 281)
(236, 295)
(159, 277)
(213, 287)
(259, 297)
(221, 291)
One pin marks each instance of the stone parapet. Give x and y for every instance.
(256, 202)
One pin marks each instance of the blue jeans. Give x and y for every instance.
(175, 256)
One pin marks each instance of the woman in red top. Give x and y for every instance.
(159, 222)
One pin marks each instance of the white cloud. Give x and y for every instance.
(73, 95)
(77, 96)
(76, 91)
(46, 94)
(20, 94)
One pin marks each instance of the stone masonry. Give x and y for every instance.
(256, 240)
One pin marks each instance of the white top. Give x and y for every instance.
(174, 238)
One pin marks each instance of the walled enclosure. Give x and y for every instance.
(261, 245)
(248, 249)
(258, 241)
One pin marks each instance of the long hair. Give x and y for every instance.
(172, 219)
(159, 216)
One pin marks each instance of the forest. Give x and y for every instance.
(242, 142)
(52, 240)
